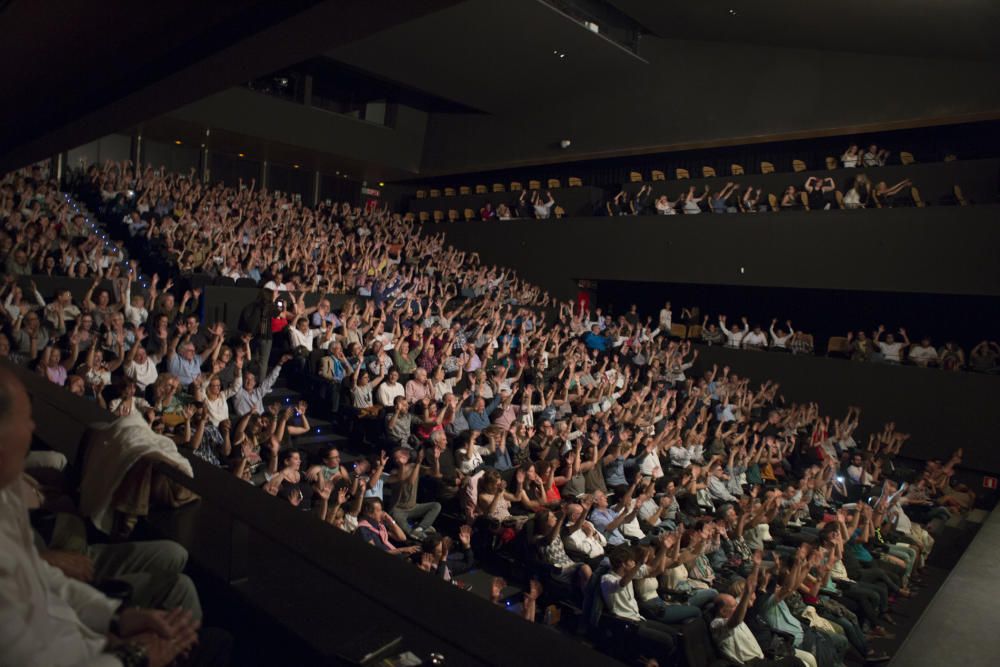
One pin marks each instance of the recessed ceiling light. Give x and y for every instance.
(242, 154)
(732, 12)
(178, 142)
(562, 55)
(295, 166)
(555, 53)
(338, 173)
(381, 184)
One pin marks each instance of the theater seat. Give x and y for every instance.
(469, 214)
(766, 168)
(480, 189)
(917, 201)
(804, 198)
(682, 174)
(773, 201)
(554, 183)
(634, 177)
(839, 346)
(658, 175)
(463, 190)
(708, 172)
(575, 182)
(452, 215)
(831, 162)
(736, 169)
(560, 212)
(906, 157)
(798, 165)
(438, 216)
(421, 194)
(450, 192)
(435, 192)
(534, 185)
(498, 187)
(694, 331)
(424, 216)
(515, 186)
(678, 330)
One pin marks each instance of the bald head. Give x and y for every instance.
(725, 604)
(16, 427)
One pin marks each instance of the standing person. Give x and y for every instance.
(256, 321)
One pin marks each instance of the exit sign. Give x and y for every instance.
(990, 482)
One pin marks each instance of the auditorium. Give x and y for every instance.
(481, 332)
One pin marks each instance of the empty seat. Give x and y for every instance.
(452, 215)
(798, 165)
(424, 216)
(766, 168)
(575, 182)
(435, 192)
(678, 330)
(736, 169)
(560, 211)
(694, 331)
(950, 157)
(498, 187)
(708, 172)
(906, 157)
(421, 194)
(534, 185)
(838, 345)
(659, 175)
(773, 201)
(831, 162)
(469, 214)
(464, 190)
(450, 192)
(408, 217)
(480, 189)
(682, 174)
(515, 186)
(554, 183)
(438, 216)
(634, 176)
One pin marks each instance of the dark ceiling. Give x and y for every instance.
(959, 29)
(92, 68)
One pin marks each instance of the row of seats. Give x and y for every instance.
(765, 168)
(515, 186)
(468, 214)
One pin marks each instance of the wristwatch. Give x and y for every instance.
(130, 654)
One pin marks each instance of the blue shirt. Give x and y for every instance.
(595, 342)
(601, 518)
(614, 473)
(186, 371)
(480, 421)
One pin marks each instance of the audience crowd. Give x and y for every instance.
(492, 421)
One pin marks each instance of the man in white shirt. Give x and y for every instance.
(734, 336)
(780, 337)
(924, 354)
(892, 350)
(543, 209)
(390, 389)
(755, 340)
(586, 539)
(45, 617)
(618, 593)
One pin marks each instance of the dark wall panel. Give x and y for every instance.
(177, 159)
(230, 168)
(940, 250)
(942, 411)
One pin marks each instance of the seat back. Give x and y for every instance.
(708, 172)
(678, 330)
(736, 169)
(575, 182)
(560, 212)
(766, 168)
(831, 162)
(917, 201)
(634, 177)
(694, 331)
(450, 192)
(515, 186)
(438, 216)
(773, 201)
(469, 214)
(682, 174)
(498, 187)
(424, 216)
(798, 165)
(480, 189)
(435, 192)
(658, 175)
(421, 194)
(462, 190)
(534, 185)
(452, 215)
(838, 345)
(906, 157)
(554, 183)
